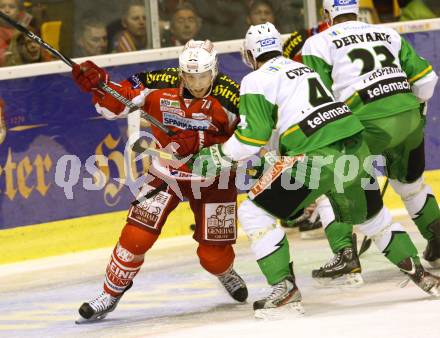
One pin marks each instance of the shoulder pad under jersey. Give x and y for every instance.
(294, 43)
(156, 79)
(227, 92)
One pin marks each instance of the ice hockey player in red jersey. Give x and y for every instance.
(201, 107)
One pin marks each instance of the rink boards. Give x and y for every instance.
(48, 118)
(99, 231)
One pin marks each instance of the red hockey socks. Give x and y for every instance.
(216, 259)
(127, 258)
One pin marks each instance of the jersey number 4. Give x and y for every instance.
(318, 94)
(369, 59)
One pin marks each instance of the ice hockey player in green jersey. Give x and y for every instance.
(386, 84)
(284, 105)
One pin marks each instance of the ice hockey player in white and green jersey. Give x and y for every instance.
(386, 84)
(286, 103)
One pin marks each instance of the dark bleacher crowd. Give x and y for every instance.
(86, 28)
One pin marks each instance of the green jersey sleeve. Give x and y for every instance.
(258, 110)
(257, 119)
(321, 67)
(412, 64)
(318, 58)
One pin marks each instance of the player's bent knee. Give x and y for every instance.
(136, 239)
(216, 259)
(254, 219)
(406, 190)
(265, 243)
(377, 223)
(414, 195)
(381, 228)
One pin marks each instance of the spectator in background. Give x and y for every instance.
(166, 11)
(434, 5)
(289, 14)
(93, 39)
(185, 25)
(260, 11)
(15, 10)
(23, 50)
(414, 10)
(222, 19)
(2, 122)
(134, 35)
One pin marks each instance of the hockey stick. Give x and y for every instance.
(140, 149)
(71, 63)
(366, 242)
(150, 194)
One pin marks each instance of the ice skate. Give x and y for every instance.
(309, 224)
(303, 218)
(283, 302)
(312, 229)
(235, 285)
(432, 251)
(422, 278)
(344, 269)
(98, 308)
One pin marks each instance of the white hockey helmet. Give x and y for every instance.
(261, 39)
(198, 67)
(198, 57)
(339, 7)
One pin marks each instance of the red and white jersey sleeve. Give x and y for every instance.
(135, 88)
(110, 108)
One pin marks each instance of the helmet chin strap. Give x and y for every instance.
(327, 18)
(250, 61)
(255, 64)
(253, 61)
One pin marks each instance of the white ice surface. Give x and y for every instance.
(173, 297)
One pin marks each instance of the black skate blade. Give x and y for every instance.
(351, 280)
(289, 311)
(82, 320)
